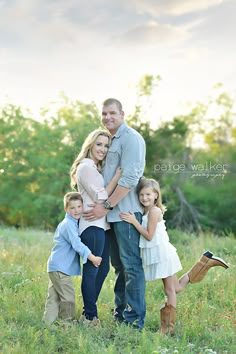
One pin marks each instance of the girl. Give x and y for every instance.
(160, 259)
(85, 174)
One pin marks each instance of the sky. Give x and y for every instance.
(95, 49)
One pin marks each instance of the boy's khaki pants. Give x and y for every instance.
(60, 302)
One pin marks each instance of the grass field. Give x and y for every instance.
(206, 320)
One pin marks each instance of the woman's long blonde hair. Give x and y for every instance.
(152, 183)
(85, 152)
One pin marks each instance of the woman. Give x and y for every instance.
(86, 175)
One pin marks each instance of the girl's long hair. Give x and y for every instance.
(85, 152)
(152, 183)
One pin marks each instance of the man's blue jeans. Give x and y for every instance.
(97, 240)
(130, 281)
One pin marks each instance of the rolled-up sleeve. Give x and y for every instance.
(132, 160)
(92, 181)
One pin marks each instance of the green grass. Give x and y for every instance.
(206, 310)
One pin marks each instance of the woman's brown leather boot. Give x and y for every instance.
(168, 315)
(199, 270)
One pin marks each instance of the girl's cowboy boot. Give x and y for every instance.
(199, 270)
(168, 315)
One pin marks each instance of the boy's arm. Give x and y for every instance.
(71, 234)
(95, 260)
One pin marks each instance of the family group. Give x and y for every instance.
(115, 215)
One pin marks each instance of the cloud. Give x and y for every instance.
(172, 7)
(94, 49)
(42, 27)
(153, 34)
(48, 25)
(218, 29)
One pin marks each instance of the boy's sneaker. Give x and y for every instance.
(95, 322)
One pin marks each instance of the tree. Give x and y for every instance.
(36, 159)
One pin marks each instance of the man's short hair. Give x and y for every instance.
(110, 101)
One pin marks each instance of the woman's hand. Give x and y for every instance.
(128, 217)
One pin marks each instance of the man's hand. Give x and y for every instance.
(97, 212)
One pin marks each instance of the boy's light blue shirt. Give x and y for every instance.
(68, 247)
(127, 150)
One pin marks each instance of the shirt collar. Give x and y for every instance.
(68, 216)
(119, 131)
(88, 162)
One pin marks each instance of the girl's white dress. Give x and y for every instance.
(160, 259)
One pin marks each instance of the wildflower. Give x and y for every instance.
(210, 351)
(191, 345)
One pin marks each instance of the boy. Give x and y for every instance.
(64, 262)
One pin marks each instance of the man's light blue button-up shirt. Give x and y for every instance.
(127, 151)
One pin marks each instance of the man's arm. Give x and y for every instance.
(99, 211)
(118, 194)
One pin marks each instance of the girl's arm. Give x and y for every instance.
(112, 185)
(154, 216)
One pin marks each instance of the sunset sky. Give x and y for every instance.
(96, 49)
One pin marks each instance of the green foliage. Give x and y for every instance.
(35, 159)
(147, 83)
(205, 317)
(197, 193)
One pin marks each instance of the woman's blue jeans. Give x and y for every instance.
(130, 281)
(97, 240)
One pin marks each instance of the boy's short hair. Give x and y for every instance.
(68, 197)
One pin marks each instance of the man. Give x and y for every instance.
(127, 151)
